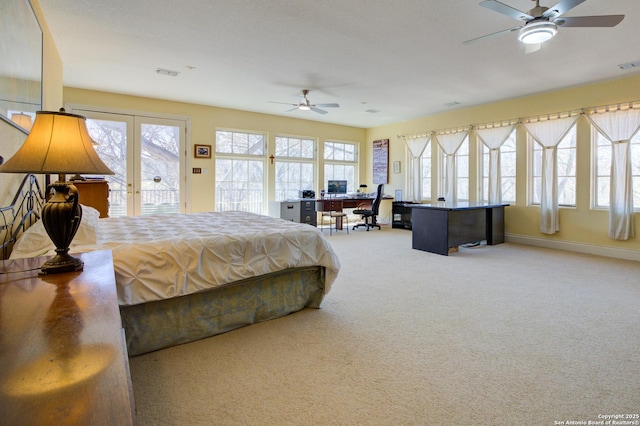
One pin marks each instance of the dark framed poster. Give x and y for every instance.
(381, 161)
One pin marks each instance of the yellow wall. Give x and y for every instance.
(205, 120)
(578, 227)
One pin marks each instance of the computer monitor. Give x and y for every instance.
(337, 187)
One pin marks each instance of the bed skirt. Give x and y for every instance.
(164, 323)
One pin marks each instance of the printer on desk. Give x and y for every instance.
(307, 193)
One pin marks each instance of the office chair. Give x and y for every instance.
(369, 216)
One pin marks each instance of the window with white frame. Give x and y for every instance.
(240, 171)
(341, 162)
(602, 169)
(507, 170)
(462, 171)
(425, 173)
(295, 166)
(566, 170)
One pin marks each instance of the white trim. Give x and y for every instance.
(574, 247)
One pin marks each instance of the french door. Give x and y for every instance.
(147, 155)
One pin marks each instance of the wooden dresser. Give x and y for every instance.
(63, 358)
(94, 193)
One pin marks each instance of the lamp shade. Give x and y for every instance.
(23, 120)
(58, 143)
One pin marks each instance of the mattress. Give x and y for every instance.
(160, 257)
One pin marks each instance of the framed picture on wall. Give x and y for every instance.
(381, 161)
(202, 151)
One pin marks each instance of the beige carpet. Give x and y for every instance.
(495, 335)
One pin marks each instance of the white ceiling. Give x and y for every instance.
(401, 58)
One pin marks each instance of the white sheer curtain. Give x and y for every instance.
(618, 127)
(416, 147)
(450, 142)
(493, 138)
(548, 132)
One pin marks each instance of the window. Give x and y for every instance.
(507, 170)
(341, 162)
(602, 169)
(295, 166)
(425, 173)
(240, 176)
(461, 172)
(566, 170)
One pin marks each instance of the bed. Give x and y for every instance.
(185, 277)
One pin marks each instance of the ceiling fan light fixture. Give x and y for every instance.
(537, 32)
(304, 107)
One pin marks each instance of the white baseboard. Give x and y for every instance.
(575, 247)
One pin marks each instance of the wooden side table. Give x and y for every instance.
(63, 357)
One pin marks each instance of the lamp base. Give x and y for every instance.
(61, 217)
(62, 262)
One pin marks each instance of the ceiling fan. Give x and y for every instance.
(304, 104)
(541, 23)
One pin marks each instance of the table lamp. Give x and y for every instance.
(59, 143)
(23, 120)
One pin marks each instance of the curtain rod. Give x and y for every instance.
(496, 124)
(553, 115)
(453, 130)
(540, 117)
(613, 107)
(415, 135)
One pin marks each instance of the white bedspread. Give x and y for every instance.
(164, 256)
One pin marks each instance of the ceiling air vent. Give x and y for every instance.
(629, 65)
(163, 71)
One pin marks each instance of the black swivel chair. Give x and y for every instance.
(369, 216)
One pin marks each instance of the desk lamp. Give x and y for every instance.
(59, 143)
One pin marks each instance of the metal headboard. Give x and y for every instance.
(23, 212)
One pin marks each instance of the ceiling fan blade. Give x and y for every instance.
(283, 103)
(318, 110)
(473, 40)
(561, 8)
(327, 105)
(292, 109)
(590, 21)
(511, 12)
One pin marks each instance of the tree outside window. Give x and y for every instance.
(295, 166)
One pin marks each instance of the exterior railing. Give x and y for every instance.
(161, 201)
(246, 200)
(154, 201)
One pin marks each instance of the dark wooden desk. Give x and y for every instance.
(338, 204)
(341, 203)
(63, 359)
(440, 226)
